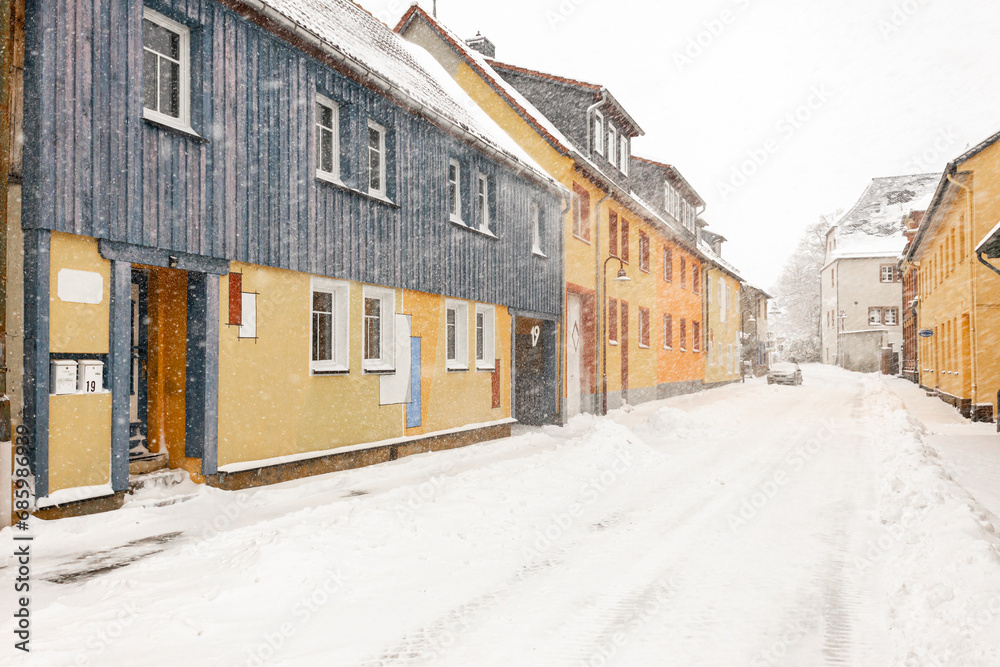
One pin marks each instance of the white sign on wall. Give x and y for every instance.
(80, 286)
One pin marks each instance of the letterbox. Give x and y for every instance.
(91, 376)
(62, 378)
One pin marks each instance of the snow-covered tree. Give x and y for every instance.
(797, 303)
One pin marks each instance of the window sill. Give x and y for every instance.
(379, 369)
(580, 238)
(454, 368)
(332, 181)
(486, 369)
(613, 342)
(643, 347)
(176, 128)
(329, 371)
(458, 221)
(485, 232)
(537, 252)
(668, 348)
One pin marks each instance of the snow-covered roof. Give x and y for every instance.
(484, 67)
(718, 261)
(874, 226)
(368, 45)
(990, 243)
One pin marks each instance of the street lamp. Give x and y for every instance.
(743, 322)
(621, 278)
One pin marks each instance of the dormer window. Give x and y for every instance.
(623, 154)
(612, 144)
(598, 133)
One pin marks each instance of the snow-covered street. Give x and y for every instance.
(746, 525)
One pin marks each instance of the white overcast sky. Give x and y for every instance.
(896, 86)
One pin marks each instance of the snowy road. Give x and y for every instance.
(747, 525)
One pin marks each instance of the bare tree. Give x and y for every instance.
(797, 301)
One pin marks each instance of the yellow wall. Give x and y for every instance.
(724, 368)
(270, 405)
(79, 424)
(949, 276)
(78, 328)
(79, 440)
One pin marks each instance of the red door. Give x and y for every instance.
(624, 348)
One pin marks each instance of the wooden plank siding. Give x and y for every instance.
(246, 190)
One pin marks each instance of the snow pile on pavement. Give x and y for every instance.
(675, 424)
(940, 547)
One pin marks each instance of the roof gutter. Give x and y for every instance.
(386, 87)
(974, 347)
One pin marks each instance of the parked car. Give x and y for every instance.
(785, 372)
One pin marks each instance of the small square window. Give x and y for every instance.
(456, 335)
(890, 316)
(376, 160)
(166, 77)
(888, 273)
(329, 325)
(378, 330)
(874, 316)
(327, 139)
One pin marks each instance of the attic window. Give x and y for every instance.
(598, 133)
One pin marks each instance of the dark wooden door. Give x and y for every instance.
(624, 348)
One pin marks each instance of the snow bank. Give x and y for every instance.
(940, 547)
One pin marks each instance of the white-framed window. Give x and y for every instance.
(248, 315)
(535, 212)
(376, 159)
(329, 325)
(455, 191)
(485, 337)
(378, 341)
(327, 139)
(612, 145)
(623, 153)
(166, 71)
(598, 132)
(456, 335)
(888, 273)
(874, 316)
(890, 316)
(483, 203)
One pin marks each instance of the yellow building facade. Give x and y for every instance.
(619, 344)
(959, 296)
(723, 337)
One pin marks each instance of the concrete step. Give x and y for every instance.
(161, 479)
(142, 465)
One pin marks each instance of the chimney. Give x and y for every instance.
(483, 45)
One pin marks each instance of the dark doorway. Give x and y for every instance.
(139, 381)
(534, 371)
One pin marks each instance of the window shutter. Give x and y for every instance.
(236, 299)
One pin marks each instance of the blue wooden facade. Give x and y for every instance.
(245, 188)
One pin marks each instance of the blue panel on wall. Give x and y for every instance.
(413, 407)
